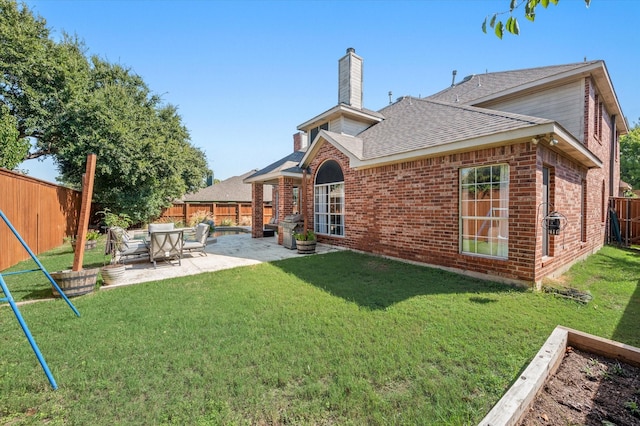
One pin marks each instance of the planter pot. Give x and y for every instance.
(75, 283)
(111, 274)
(306, 247)
(88, 245)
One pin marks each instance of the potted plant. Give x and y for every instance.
(92, 240)
(305, 242)
(112, 272)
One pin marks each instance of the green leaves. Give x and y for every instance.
(72, 105)
(630, 157)
(511, 25)
(498, 27)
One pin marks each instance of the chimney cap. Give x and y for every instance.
(351, 50)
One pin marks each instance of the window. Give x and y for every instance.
(597, 118)
(329, 199)
(314, 132)
(484, 210)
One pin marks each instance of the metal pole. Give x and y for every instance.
(27, 333)
(35, 259)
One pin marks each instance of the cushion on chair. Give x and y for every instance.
(155, 227)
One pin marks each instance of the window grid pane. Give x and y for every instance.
(329, 209)
(484, 210)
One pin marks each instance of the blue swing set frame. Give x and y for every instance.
(8, 298)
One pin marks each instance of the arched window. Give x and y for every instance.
(329, 199)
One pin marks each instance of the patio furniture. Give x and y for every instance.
(200, 240)
(120, 244)
(166, 245)
(155, 227)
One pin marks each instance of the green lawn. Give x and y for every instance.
(342, 338)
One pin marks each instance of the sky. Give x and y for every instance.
(245, 74)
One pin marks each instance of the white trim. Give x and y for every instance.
(341, 109)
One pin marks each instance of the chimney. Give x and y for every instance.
(350, 79)
(299, 141)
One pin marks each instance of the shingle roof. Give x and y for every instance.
(229, 190)
(413, 124)
(479, 86)
(286, 164)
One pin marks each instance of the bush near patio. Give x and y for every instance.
(342, 338)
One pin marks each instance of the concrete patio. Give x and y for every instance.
(228, 251)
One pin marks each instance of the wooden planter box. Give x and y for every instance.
(513, 406)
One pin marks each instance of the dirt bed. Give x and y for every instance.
(588, 389)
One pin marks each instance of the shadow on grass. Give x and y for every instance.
(377, 283)
(627, 329)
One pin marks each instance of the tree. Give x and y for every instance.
(511, 25)
(13, 149)
(37, 76)
(145, 159)
(630, 157)
(71, 105)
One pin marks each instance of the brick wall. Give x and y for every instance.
(410, 210)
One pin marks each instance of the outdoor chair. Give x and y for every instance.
(200, 240)
(155, 227)
(166, 245)
(120, 244)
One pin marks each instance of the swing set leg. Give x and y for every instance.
(27, 333)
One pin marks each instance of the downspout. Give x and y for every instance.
(612, 156)
(612, 161)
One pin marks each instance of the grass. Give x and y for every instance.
(342, 338)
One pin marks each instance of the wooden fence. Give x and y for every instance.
(42, 213)
(628, 212)
(223, 213)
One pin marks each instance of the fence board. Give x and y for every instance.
(236, 213)
(628, 212)
(43, 214)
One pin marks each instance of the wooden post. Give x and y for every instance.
(85, 211)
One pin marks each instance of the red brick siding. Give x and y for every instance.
(410, 210)
(257, 201)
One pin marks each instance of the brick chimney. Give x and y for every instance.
(299, 141)
(350, 79)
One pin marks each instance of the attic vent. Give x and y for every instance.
(469, 77)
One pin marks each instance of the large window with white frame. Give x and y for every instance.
(329, 199)
(484, 210)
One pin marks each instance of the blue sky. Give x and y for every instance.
(245, 74)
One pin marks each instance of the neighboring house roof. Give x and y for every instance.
(287, 166)
(624, 185)
(229, 190)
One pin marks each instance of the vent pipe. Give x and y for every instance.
(453, 78)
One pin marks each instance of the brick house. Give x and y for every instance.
(503, 175)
